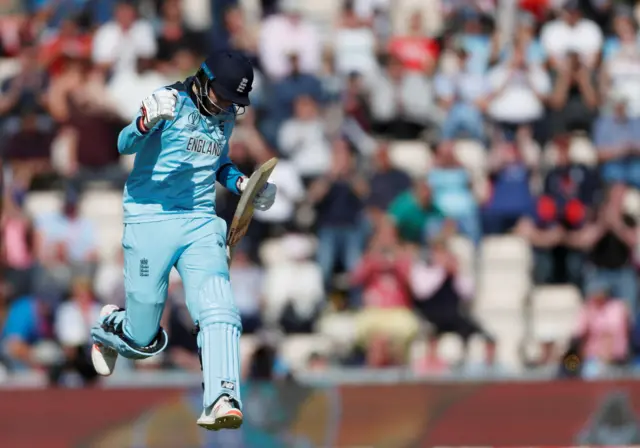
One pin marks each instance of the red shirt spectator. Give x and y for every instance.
(68, 43)
(416, 51)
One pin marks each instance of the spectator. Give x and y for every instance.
(173, 33)
(303, 140)
(72, 328)
(119, 43)
(474, 40)
(517, 93)
(289, 33)
(571, 33)
(339, 199)
(66, 247)
(355, 104)
(602, 331)
(574, 99)
(610, 239)
(624, 35)
(511, 196)
(387, 183)
(386, 321)
(248, 283)
(396, 109)
(460, 94)
(18, 256)
(416, 216)
(617, 139)
(442, 293)
(415, 50)
(525, 38)
(70, 41)
(453, 193)
(354, 45)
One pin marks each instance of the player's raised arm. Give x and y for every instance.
(156, 109)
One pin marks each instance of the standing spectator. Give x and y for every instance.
(441, 291)
(571, 33)
(511, 197)
(72, 328)
(304, 141)
(460, 94)
(118, 44)
(386, 319)
(574, 99)
(517, 93)
(415, 50)
(173, 33)
(387, 183)
(396, 109)
(339, 200)
(288, 33)
(617, 139)
(416, 216)
(453, 193)
(354, 45)
(610, 240)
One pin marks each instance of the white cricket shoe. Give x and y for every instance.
(224, 414)
(104, 358)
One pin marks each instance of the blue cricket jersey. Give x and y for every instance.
(177, 164)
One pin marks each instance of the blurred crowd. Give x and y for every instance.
(400, 126)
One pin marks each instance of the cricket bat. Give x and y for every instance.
(244, 211)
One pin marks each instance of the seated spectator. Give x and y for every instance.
(602, 331)
(386, 319)
(293, 306)
(610, 239)
(517, 93)
(288, 33)
(526, 38)
(303, 139)
(460, 93)
(511, 197)
(387, 183)
(173, 33)
(72, 328)
(119, 43)
(574, 100)
(247, 288)
(617, 138)
(415, 50)
(441, 293)
(339, 200)
(26, 326)
(66, 247)
(69, 41)
(397, 111)
(355, 104)
(415, 215)
(571, 32)
(237, 35)
(18, 257)
(354, 44)
(475, 41)
(452, 191)
(622, 38)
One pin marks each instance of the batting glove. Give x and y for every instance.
(265, 197)
(161, 105)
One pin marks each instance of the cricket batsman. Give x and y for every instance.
(181, 142)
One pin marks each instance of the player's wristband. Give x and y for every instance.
(140, 125)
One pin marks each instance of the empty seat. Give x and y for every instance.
(632, 202)
(464, 251)
(583, 151)
(100, 204)
(295, 350)
(508, 329)
(271, 253)
(506, 250)
(554, 312)
(339, 328)
(413, 157)
(472, 155)
(43, 202)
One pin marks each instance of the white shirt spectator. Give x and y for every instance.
(413, 92)
(354, 50)
(517, 102)
(290, 192)
(73, 325)
(306, 145)
(280, 37)
(247, 286)
(585, 38)
(114, 45)
(623, 71)
(128, 88)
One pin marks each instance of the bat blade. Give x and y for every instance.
(244, 212)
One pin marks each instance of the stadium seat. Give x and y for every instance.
(99, 204)
(414, 157)
(339, 328)
(296, 349)
(464, 251)
(472, 155)
(554, 311)
(632, 202)
(583, 151)
(271, 253)
(508, 328)
(43, 202)
(505, 250)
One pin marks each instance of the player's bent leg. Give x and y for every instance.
(219, 346)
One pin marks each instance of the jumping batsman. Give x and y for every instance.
(181, 143)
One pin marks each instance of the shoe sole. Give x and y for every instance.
(96, 350)
(230, 421)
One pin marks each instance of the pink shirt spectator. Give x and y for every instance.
(605, 328)
(18, 255)
(385, 282)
